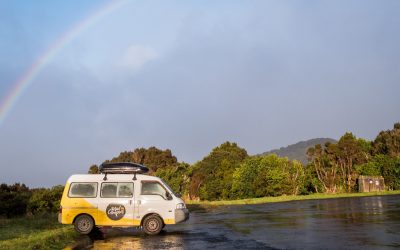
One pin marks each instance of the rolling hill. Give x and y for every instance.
(298, 150)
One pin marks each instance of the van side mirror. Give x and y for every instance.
(169, 196)
(179, 195)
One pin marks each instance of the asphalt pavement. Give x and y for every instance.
(346, 223)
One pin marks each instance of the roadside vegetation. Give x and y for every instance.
(34, 232)
(19, 200)
(28, 218)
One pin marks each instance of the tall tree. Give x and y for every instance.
(350, 151)
(177, 177)
(388, 142)
(212, 177)
(325, 170)
(390, 169)
(268, 175)
(335, 163)
(152, 157)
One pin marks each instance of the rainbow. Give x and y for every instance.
(27, 78)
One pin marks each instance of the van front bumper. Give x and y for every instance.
(181, 215)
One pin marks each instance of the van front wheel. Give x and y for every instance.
(84, 224)
(152, 225)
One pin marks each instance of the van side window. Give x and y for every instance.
(109, 190)
(153, 188)
(125, 189)
(116, 189)
(83, 189)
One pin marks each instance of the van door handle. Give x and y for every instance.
(139, 202)
(130, 202)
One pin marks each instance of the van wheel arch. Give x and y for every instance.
(152, 223)
(83, 214)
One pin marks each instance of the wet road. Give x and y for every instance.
(348, 223)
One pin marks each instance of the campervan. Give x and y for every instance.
(120, 196)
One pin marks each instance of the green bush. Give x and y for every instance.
(45, 200)
(370, 168)
(14, 199)
(269, 175)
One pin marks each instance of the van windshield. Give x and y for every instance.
(168, 187)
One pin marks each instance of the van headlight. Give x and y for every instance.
(180, 206)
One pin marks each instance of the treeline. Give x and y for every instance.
(228, 172)
(337, 166)
(18, 199)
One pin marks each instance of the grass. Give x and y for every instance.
(196, 204)
(38, 232)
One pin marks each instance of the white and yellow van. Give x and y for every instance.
(120, 197)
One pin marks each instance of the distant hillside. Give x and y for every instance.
(298, 151)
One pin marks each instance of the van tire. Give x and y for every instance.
(84, 224)
(152, 224)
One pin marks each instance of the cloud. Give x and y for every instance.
(136, 56)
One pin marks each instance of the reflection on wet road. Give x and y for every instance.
(365, 222)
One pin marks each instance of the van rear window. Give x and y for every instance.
(83, 190)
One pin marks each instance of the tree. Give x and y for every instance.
(370, 168)
(388, 142)
(177, 177)
(335, 163)
(390, 169)
(268, 175)
(244, 178)
(45, 200)
(350, 151)
(311, 183)
(14, 199)
(211, 177)
(153, 158)
(94, 169)
(295, 177)
(326, 172)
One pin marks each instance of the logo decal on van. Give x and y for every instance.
(115, 211)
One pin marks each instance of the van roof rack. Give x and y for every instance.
(122, 168)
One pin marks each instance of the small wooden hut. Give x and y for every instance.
(370, 183)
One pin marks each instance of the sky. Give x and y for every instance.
(97, 78)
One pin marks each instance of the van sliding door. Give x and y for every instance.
(116, 204)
